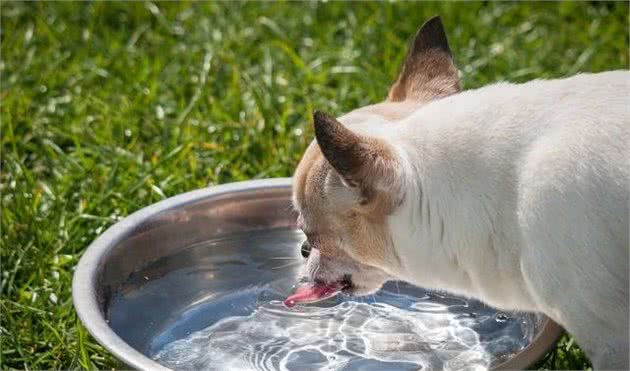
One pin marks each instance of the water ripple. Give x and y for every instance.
(350, 335)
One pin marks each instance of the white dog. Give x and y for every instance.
(515, 194)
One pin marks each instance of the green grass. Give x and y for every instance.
(109, 107)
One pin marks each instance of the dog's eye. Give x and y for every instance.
(306, 249)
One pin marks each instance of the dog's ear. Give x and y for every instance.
(366, 163)
(429, 71)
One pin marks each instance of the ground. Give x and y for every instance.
(108, 107)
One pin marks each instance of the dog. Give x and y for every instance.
(514, 194)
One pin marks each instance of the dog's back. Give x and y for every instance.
(573, 212)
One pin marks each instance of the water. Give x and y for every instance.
(224, 312)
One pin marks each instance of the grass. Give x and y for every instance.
(109, 107)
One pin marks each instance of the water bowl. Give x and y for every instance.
(197, 281)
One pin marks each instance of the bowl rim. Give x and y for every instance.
(84, 295)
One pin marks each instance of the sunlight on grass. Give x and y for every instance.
(109, 107)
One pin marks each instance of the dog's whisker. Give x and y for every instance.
(286, 265)
(284, 258)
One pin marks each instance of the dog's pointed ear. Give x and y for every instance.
(428, 71)
(366, 163)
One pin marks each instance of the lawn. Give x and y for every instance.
(109, 107)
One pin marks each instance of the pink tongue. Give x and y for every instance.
(312, 292)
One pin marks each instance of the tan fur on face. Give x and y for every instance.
(335, 220)
(310, 157)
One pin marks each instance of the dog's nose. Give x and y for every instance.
(306, 249)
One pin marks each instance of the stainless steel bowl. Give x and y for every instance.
(163, 229)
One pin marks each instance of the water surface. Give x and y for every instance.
(222, 310)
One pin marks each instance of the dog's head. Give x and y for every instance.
(349, 180)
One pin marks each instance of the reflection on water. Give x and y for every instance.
(227, 315)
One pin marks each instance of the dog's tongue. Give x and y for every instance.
(313, 292)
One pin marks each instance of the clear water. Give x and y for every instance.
(237, 320)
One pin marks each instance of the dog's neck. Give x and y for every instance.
(455, 227)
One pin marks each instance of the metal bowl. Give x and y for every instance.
(109, 266)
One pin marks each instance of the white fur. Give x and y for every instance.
(518, 195)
